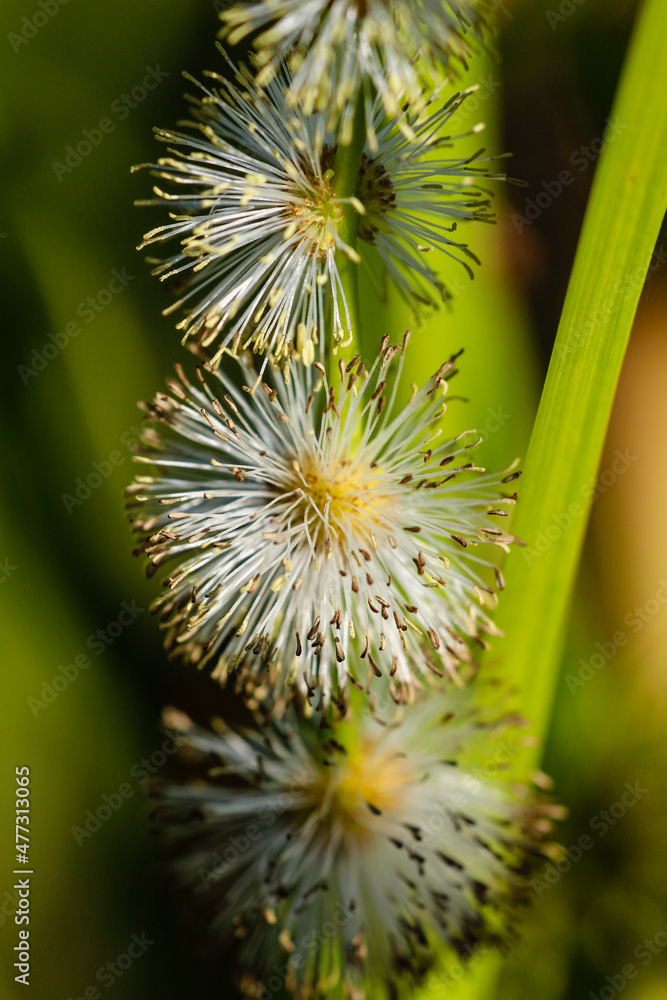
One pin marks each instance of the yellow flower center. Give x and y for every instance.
(361, 785)
(320, 214)
(348, 493)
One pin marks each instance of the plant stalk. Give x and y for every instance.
(622, 222)
(346, 167)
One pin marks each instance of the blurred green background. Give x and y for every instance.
(82, 345)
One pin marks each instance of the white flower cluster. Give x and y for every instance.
(330, 542)
(336, 48)
(257, 212)
(341, 864)
(316, 523)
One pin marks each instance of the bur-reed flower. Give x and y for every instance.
(315, 523)
(339, 861)
(337, 48)
(252, 194)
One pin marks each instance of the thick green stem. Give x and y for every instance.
(346, 167)
(622, 222)
(624, 215)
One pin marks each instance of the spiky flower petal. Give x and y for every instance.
(338, 47)
(254, 206)
(339, 859)
(314, 518)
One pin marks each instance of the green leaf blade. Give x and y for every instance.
(621, 226)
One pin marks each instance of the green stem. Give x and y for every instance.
(346, 167)
(622, 223)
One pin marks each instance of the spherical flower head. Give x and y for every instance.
(342, 859)
(313, 518)
(253, 202)
(336, 48)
